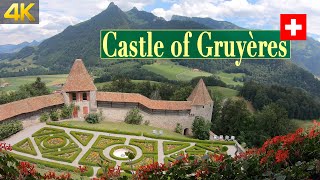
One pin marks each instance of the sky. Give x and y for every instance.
(56, 15)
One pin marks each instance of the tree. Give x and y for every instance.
(94, 118)
(201, 128)
(273, 120)
(178, 128)
(233, 118)
(134, 117)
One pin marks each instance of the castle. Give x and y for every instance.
(80, 90)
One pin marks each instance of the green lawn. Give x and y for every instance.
(172, 71)
(228, 78)
(223, 92)
(50, 80)
(121, 126)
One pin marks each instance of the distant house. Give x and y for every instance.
(80, 90)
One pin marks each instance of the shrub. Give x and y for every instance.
(178, 128)
(134, 117)
(201, 128)
(66, 111)
(9, 128)
(44, 117)
(224, 149)
(93, 118)
(146, 123)
(54, 115)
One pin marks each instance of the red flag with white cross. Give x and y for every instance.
(293, 27)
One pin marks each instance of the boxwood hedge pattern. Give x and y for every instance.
(47, 131)
(94, 157)
(67, 155)
(63, 167)
(145, 159)
(210, 147)
(104, 141)
(25, 146)
(60, 141)
(122, 147)
(171, 147)
(43, 146)
(82, 137)
(147, 146)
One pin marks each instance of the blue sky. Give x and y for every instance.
(56, 15)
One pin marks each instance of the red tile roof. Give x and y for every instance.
(79, 79)
(200, 95)
(29, 105)
(138, 98)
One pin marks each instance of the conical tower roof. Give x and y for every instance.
(200, 95)
(79, 79)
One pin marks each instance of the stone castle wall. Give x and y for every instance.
(161, 119)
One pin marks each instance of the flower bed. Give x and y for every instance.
(25, 146)
(143, 160)
(94, 157)
(129, 148)
(147, 146)
(59, 167)
(54, 142)
(293, 156)
(104, 141)
(83, 138)
(170, 147)
(67, 155)
(44, 144)
(210, 147)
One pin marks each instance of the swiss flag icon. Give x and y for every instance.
(293, 27)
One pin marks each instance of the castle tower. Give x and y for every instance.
(80, 90)
(202, 104)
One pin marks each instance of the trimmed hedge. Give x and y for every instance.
(84, 161)
(77, 135)
(54, 165)
(42, 149)
(46, 144)
(117, 140)
(195, 149)
(137, 142)
(166, 143)
(56, 155)
(168, 160)
(122, 147)
(47, 131)
(149, 135)
(137, 163)
(207, 147)
(115, 131)
(17, 147)
(7, 129)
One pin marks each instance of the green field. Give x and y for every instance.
(172, 71)
(223, 92)
(228, 78)
(50, 80)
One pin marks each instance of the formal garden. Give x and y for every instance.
(62, 146)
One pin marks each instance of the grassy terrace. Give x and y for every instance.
(106, 126)
(223, 92)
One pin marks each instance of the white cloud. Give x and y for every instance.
(56, 15)
(262, 14)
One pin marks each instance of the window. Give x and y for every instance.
(74, 96)
(84, 97)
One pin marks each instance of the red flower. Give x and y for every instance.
(26, 169)
(282, 155)
(218, 157)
